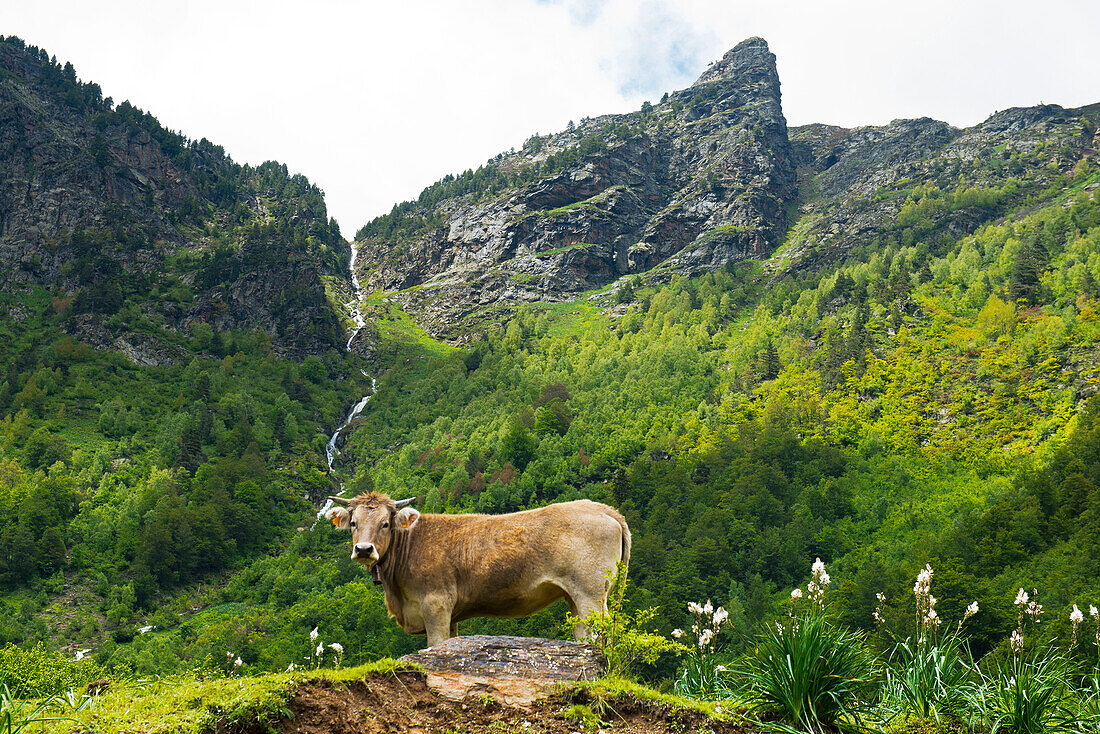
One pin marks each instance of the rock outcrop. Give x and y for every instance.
(684, 186)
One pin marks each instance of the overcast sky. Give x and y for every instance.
(374, 101)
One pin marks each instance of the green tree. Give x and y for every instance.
(518, 445)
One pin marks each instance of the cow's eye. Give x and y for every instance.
(385, 525)
(353, 523)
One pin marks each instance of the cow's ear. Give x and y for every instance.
(407, 517)
(340, 518)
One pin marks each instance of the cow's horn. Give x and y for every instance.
(405, 503)
(340, 500)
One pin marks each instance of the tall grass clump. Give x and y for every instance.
(926, 677)
(807, 673)
(1024, 693)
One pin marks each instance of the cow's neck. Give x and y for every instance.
(388, 574)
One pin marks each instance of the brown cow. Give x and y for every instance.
(437, 570)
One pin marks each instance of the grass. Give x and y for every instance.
(558, 250)
(927, 681)
(1025, 696)
(189, 705)
(613, 687)
(589, 203)
(399, 331)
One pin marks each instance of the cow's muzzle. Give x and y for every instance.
(364, 552)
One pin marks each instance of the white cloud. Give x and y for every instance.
(374, 101)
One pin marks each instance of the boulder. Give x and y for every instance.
(514, 671)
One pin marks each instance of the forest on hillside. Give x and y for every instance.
(928, 401)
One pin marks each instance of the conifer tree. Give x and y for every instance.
(1031, 260)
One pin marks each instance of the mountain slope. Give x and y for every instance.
(170, 360)
(149, 233)
(705, 177)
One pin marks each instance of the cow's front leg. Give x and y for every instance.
(437, 619)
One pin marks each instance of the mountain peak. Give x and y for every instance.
(750, 59)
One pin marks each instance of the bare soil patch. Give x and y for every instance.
(402, 702)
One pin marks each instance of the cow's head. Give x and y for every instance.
(373, 520)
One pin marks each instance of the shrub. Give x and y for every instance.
(619, 635)
(36, 673)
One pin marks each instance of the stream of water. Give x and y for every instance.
(331, 449)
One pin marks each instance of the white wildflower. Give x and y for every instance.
(291, 668)
(677, 633)
(708, 608)
(313, 635)
(1093, 612)
(238, 663)
(1021, 598)
(924, 581)
(694, 608)
(1016, 641)
(320, 649)
(720, 616)
(779, 627)
(1076, 616)
(796, 594)
(337, 647)
(819, 573)
(970, 610)
(1034, 610)
(877, 614)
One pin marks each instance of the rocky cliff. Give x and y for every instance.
(140, 231)
(864, 185)
(702, 178)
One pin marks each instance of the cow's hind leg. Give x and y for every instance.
(584, 601)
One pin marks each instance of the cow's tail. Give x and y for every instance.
(624, 560)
